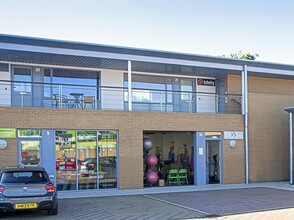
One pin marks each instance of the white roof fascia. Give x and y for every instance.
(63, 51)
(270, 71)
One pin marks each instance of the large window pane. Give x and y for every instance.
(48, 102)
(161, 93)
(107, 168)
(30, 152)
(29, 133)
(23, 75)
(66, 161)
(186, 89)
(68, 82)
(87, 151)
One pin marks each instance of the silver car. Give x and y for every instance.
(27, 188)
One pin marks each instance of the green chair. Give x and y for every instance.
(173, 177)
(183, 176)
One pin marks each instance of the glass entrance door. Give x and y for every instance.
(30, 152)
(87, 159)
(22, 87)
(66, 161)
(107, 160)
(213, 161)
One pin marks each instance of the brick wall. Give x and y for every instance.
(130, 126)
(268, 126)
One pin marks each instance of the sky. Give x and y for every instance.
(205, 27)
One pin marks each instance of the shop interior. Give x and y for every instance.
(168, 158)
(85, 159)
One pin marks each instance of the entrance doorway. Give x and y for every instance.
(168, 158)
(213, 163)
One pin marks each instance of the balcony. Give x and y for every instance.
(49, 95)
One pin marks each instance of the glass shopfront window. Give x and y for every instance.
(82, 162)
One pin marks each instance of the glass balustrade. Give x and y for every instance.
(50, 95)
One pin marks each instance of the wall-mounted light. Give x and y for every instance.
(3, 144)
(233, 143)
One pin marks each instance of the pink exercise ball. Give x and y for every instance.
(151, 160)
(151, 177)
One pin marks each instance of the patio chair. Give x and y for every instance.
(89, 100)
(60, 100)
(173, 177)
(183, 176)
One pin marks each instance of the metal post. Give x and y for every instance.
(161, 109)
(21, 97)
(291, 146)
(60, 96)
(245, 96)
(130, 85)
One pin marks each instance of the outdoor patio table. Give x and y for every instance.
(77, 101)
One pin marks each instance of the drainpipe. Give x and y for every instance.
(290, 110)
(245, 113)
(130, 85)
(243, 96)
(291, 146)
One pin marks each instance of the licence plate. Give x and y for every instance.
(26, 206)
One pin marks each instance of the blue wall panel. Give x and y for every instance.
(48, 153)
(200, 155)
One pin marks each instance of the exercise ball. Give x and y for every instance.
(151, 177)
(147, 144)
(151, 160)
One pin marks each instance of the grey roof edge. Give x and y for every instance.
(53, 43)
(289, 109)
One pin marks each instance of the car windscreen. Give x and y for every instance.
(24, 177)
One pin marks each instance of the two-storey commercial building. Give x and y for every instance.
(98, 116)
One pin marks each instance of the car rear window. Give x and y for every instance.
(24, 177)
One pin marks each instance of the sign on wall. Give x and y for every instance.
(233, 135)
(205, 82)
(7, 133)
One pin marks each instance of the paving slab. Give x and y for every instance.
(280, 214)
(231, 201)
(116, 208)
(219, 204)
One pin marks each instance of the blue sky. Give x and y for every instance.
(207, 27)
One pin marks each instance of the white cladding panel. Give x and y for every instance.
(112, 98)
(5, 89)
(205, 101)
